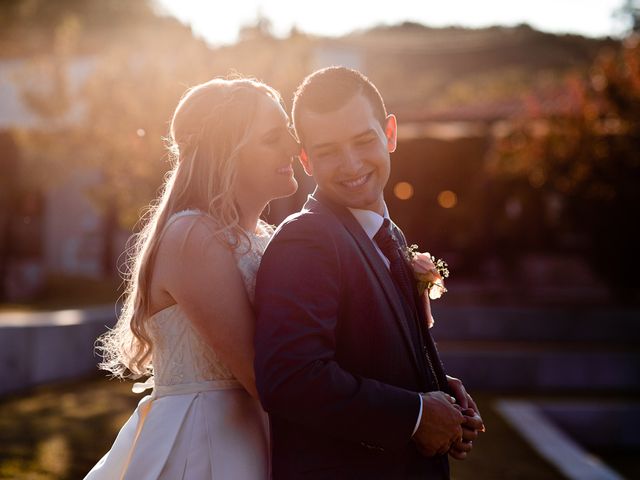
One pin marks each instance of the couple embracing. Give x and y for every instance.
(294, 354)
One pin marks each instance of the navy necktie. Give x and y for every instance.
(390, 247)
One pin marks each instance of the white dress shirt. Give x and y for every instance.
(371, 222)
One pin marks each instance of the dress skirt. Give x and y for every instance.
(208, 430)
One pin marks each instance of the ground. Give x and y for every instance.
(60, 431)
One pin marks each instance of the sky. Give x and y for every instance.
(218, 22)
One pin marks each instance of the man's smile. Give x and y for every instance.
(356, 182)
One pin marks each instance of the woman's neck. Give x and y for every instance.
(249, 215)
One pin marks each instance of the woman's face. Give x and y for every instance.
(265, 170)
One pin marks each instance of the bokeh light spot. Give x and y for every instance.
(536, 178)
(403, 190)
(447, 199)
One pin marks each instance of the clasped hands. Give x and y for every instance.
(448, 424)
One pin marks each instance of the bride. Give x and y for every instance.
(187, 318)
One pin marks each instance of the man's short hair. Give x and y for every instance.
(328, 89)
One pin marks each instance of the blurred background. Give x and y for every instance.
(518, 163)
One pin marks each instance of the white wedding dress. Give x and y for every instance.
(199, 423)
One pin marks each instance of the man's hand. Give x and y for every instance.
(462, 397)
(470, 430)
(440, 426)
(473, 424)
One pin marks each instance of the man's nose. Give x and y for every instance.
(351, 161)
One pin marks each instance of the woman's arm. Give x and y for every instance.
(200, 273)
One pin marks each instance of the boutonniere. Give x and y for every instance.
(428, 271)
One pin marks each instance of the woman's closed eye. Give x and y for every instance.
(277, 134)
(272, 137)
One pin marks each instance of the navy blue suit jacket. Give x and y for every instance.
(338, 366)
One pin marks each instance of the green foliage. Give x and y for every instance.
(586, 154)
(60, 432)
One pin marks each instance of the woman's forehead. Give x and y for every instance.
(269, 112)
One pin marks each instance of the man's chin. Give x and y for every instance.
(373, 204)
(360, 201)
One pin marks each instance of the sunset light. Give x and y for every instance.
(229, 224)
(219, 24)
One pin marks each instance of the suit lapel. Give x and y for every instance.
(423, 312)
(375, 262)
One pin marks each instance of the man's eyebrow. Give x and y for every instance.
(320, 146)
(357, 136)
(364, 134)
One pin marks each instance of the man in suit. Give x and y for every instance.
(345, 364)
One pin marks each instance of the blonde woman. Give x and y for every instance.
(188, 319)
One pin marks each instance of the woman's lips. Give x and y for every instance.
(286, 170)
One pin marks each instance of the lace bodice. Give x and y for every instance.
(248, 259)
(180, 354)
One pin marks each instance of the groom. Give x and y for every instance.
(345, 364)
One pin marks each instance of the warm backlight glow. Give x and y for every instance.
(219, 22)
(403, 190)
(447, 199)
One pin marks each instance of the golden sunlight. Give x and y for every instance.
(220, 25)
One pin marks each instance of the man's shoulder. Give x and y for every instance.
(307, 221)
(308, 234)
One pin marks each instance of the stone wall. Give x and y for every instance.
(49, 346)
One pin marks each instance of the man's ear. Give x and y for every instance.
(391, 132)
(306, 164)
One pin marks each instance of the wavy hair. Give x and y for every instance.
(210, 125)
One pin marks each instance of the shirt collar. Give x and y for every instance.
(369, 220)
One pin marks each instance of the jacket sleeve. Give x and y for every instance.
(298, 295)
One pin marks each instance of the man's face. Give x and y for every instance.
(347, 152)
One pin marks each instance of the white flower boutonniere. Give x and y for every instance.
(429, 272)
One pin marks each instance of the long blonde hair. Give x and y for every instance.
(209, 127)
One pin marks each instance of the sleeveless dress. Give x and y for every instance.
(199, 423)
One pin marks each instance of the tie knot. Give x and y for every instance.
(385, 238)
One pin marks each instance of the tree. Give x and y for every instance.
(125, 104)
(630, 13)
(587, 155)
